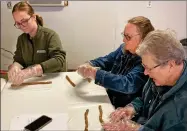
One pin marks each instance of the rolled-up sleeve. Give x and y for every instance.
(138, 104)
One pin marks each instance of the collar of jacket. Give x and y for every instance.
(127, 52)
(37, 33)
(175, 88)
(160, 90)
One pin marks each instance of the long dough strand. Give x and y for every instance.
(86, 120)
(100, 114)
(70, 81)
(32, 83)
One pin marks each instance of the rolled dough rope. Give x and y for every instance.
(86, 120)
(70, 81)
(32, 83)
(100, 114)
(89, 80)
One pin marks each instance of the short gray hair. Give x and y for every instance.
(163, 45)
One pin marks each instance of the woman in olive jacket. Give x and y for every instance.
(39, 49)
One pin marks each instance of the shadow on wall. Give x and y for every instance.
(184, 43)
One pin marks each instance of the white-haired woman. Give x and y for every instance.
(163, 105)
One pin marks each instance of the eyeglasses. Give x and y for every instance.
(150, 69)
(127, 37)
(23, 23)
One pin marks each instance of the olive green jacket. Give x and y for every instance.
(44, 48)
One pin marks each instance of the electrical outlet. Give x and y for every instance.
(149, 4)
(9, 4)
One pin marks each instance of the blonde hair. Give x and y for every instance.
(143, 25)
(163, 45)
(24, 6)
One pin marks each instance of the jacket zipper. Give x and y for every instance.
(151, 107)
(32, 52)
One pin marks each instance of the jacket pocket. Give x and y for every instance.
(41, 56)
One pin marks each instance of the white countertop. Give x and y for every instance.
(58, 97)
(3, 82)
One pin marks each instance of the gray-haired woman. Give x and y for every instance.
(163, 105)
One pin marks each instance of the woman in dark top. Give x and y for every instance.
(39, 49)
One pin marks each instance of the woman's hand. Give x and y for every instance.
(87, 71)
(120, 113)
(124, 125)
(13, 70)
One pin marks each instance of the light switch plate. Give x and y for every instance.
(149, 4)
(9, 4)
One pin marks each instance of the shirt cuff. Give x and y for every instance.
(90, 63)
(99, 78)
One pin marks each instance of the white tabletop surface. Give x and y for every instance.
(3, 82)
(58, 97)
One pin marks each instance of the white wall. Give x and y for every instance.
(89, 29)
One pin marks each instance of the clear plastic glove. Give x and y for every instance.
(120, 113)
(28, 73)
(125, 125)
(13, 70)
(87, 71)
(81, 68)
